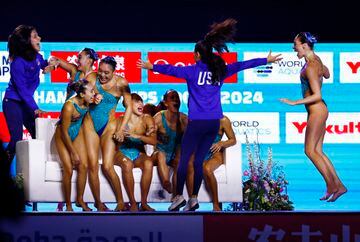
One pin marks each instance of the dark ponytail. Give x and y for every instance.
(216, 38)
(79, 86)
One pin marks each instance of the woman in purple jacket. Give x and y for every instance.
(204, 81)
(19, 106)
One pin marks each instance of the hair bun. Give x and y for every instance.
(311, 38)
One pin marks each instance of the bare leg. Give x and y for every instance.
(67, 168)
(210, 180)
(146, 165)
(92, 141)
(79, 144)
(341, 189)
(128, 178)
(108, 151)
(163, 170)
(174, 164)
(314, 132)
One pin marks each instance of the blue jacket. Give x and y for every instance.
(204, 98)
(24, 79)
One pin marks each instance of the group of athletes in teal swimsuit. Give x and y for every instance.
(98, 116)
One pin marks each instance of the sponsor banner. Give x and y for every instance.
(126, 65)
(5, 67)
(294, 227)
(261, 127)
(181, 59)
(286, 70)
(350, 67)
(340, 128)
(87, 228)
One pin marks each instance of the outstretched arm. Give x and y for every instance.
(243, 65)
(55, 62)
(176, 71)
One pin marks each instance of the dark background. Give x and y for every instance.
(181, 20)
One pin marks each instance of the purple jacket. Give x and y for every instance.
(204, 98)
(24, 79)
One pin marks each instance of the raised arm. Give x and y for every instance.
(56, 62)
(176, 71)
(243, 65)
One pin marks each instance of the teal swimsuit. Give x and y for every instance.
(210, 154)
(131, 148)
(100, 112)
(168, 143)
(75, 125)
(305, 86)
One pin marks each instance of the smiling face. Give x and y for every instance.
(83, 61)
(300, 48)
(105, 73)
(89, 93)
(35, 40)
(172, 101)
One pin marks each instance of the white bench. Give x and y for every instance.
(39, 164)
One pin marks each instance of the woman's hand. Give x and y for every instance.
(287, 101)
(39, 112)
(119, 136)
(216, 147)
(97, 98)
(75, 158)
(273, 58)
(144, 65)
(48, 69)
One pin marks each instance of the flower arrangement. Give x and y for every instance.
(264, 183)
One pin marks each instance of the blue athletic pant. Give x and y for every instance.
(16, 115)
(198, 138)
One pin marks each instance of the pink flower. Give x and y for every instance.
(246, 173)
(254, 178)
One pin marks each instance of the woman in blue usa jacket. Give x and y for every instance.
(204, 81)
(19, 106)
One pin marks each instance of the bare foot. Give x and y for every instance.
(84, 206)
(69, 208)
(167, 186)
(101, 207)
(216, 208)
(145, 207)
(120, 207)
(133, 207)
(327, 196)
(341, 191)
